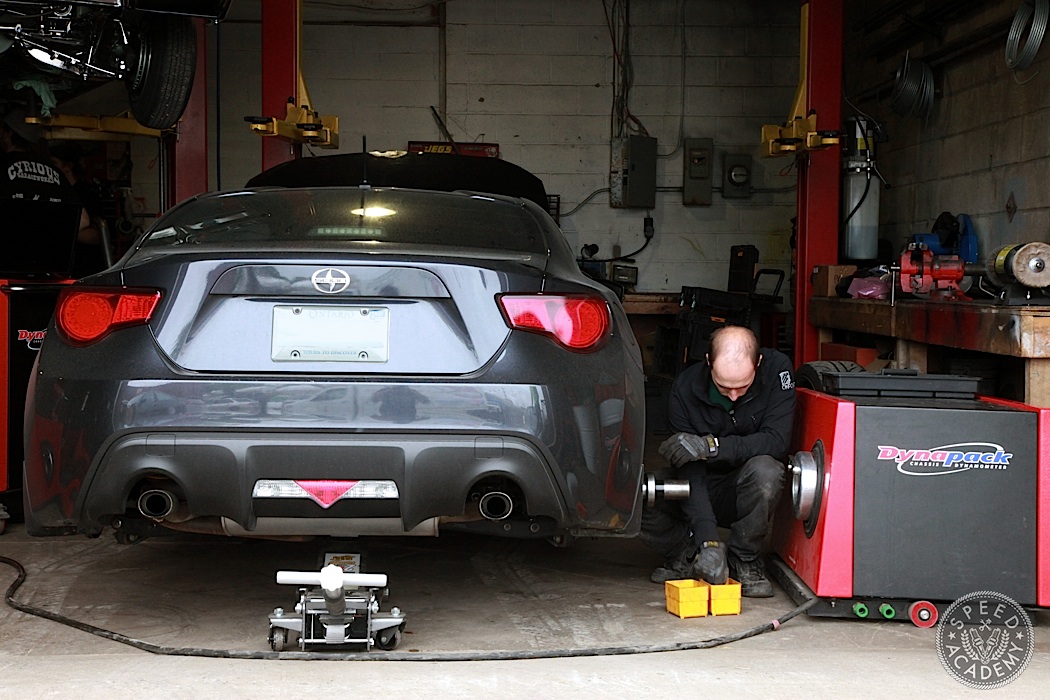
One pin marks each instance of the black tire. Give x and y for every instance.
(811, 374)
(164, 56)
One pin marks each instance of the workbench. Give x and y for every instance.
(652, 303)
(1012, 331)
(647, 312)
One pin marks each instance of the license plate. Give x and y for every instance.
(330, 334)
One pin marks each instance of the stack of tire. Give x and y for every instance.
(811, 375)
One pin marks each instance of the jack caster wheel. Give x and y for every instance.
(127, 537)
(278, 638)
(388, 639)
(923, 613)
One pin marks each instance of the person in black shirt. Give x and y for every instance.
(732, 419)
(28, 181)
(88, 257)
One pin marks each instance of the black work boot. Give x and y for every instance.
(677, 565)
(710, 565)
(752, 578)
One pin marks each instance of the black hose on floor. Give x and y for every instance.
(385, 656)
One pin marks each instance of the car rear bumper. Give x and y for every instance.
(571, 456)
(213, 474)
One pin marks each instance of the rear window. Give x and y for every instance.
(348, 218)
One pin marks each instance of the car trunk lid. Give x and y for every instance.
(427, 316)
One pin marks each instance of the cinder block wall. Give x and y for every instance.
(535, 77)
(987, 138)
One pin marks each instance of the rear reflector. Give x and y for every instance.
(324, 492)
(85, 316)
(578, 322)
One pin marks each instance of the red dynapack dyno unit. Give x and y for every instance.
(910, 492)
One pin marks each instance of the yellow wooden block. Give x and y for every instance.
(725, 599)
(687, 597)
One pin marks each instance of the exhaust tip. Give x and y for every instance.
(495, 506)
(157, 504)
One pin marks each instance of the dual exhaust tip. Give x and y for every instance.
(159, 504)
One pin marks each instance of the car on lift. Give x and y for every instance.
(67, 47)
(339, 361)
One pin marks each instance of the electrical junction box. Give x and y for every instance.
(632, 172)
(625, 274)
(696, 172)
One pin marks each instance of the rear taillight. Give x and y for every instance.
(84, 316)
(578, 322)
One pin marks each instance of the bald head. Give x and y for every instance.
(734, 358)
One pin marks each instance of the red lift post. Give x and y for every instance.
(819, 171)
(281, 25)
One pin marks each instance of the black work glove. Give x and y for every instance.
(682, 448)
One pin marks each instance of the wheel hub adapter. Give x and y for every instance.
(807, 485)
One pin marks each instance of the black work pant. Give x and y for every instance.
(741, 499)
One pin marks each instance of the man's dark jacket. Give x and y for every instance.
(760, 422)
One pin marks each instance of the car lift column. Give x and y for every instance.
(281, 32)
(819, 176)
(4, 398)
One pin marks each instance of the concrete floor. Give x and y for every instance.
(460, 593)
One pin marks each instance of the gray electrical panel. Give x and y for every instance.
(696, 171)
(632, 172)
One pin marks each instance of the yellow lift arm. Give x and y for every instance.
(301, 124)
(85, 127)
(799, 132)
